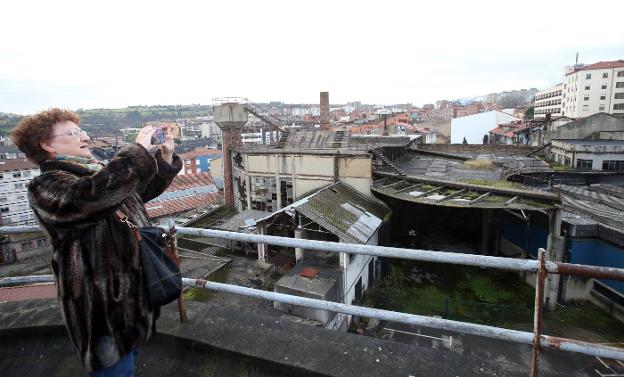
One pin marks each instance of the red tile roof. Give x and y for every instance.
(16, 164)
(180, 205)
(185, 181)
(601, 65)
(28, 292)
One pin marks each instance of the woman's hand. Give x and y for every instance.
(166, 149)
(145, 137)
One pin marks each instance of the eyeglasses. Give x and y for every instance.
(73, 132)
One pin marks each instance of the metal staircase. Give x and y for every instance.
(338, 138)
(386, 161)
(283, 138)
(265, 116)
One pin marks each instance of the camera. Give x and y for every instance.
(158, 137)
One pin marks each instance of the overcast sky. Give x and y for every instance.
(75, 54)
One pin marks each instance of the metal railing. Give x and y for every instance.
(540, 266)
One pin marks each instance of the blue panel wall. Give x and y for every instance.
(203, 162)
(515, 230)
(596, 252)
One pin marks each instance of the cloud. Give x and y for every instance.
(82, 54)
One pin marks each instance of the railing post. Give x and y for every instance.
(537, 316)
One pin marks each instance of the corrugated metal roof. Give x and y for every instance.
(241, 220)
(345, 212)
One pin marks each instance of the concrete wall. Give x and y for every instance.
(584, 128)
(307, 172)
(474, 149)
(562, 152)
(473, 127)
(216, 167)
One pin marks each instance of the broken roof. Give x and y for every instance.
(341, 210)
(244, 219)
(458, 194)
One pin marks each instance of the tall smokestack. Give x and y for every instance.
(230, 117)
(325, 125)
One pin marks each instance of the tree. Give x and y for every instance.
(486, 139)
(529, 113)
(465, 142)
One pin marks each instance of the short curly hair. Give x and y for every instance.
(37, 128)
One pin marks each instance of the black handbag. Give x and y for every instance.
(161, 274)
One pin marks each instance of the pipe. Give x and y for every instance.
(393, 252)
(386, 315)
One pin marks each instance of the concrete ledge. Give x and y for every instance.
(266, 337)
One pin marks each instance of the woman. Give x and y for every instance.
(96, 261)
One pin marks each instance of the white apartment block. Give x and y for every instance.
(548, 101)
(594, 88)
(14, 177)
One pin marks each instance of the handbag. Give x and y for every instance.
(161, 274)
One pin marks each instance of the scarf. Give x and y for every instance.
(89, 163)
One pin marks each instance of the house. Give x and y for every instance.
(592, 143)
(336, 213)
(472, 128)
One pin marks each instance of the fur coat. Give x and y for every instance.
(96, 261)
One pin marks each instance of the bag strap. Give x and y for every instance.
(170, 250)
(124, 219)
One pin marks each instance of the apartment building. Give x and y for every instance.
(548, 101)
(594, 88)
(14, 177)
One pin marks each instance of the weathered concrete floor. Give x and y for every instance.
(258, 339)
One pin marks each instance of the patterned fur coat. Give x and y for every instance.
(96, 261)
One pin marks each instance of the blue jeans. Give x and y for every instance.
(123, 368)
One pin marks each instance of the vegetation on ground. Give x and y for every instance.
(486, 296)
(478, 164)
(490, 182)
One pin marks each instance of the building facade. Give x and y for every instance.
(548, 101)
(606, 155)
(270, 178)
(594, 88)
(14, 177)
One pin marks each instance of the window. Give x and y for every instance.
(584, 164)
(42, 242)
(605, 75)
(586, 98)
(602, 98)
(588, 76)
(567, 161)
(28, 245)
(19, 185)
(604, 86)
(17, 175)
(585, 107)
(601, 108)
(26, 174)
(619, 95)
(619, 84)
(4, 209)
(586, 87)
(618, 106)
(620, 74)
(613, 165)
(3, 199)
